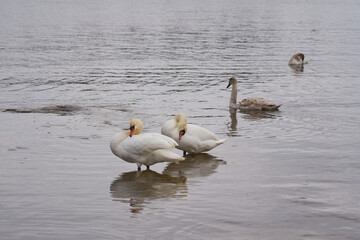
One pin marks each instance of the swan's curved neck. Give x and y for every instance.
(233, 96)
(181, 121)
(138, 130)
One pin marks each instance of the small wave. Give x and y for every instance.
(58, 109)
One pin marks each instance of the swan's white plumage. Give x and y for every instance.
(146, 143)
(196, 139)
(144, 148)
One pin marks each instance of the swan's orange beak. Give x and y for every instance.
(132, 130)
(181, 133)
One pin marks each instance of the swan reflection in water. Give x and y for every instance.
(138, 188)
(249, 115)
(297, 68)
(199, 165)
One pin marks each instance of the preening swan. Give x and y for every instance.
(297, 59)
(253, 103)
(191, 138)
(143, 148)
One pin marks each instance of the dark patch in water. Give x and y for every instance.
(62, 110)
(256, 114)
(107, 122)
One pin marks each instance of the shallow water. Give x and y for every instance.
(75, 73)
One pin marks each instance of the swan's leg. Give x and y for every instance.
(139, 166)
(184, 153)
(147, 167)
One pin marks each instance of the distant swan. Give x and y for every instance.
(143, 148)
(297, 59)
(253, 103)
(191, 138)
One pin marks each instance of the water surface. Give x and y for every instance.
(72, 74)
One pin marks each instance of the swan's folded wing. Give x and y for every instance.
(256, 101)
(147, 142)
(200, 132)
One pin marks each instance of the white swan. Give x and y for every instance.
(191, 138)
(297, 59)
(143, 148)
(253, 103)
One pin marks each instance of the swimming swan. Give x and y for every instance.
(143, 148)
(253, 103)
(297, 59)
(191, 138)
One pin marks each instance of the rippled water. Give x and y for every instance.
(73, 73)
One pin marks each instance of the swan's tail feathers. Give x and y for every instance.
(177, 159)
(276, 107)
(271, 107)
(220, 141)
(169, 156)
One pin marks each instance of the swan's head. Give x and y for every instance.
(181, 122)
(232, 80)
(136, 127)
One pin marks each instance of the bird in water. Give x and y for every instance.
(190, 138)
(143, 148)
(297, 59)
(253, 103)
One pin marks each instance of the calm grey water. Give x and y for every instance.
(73, 73)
